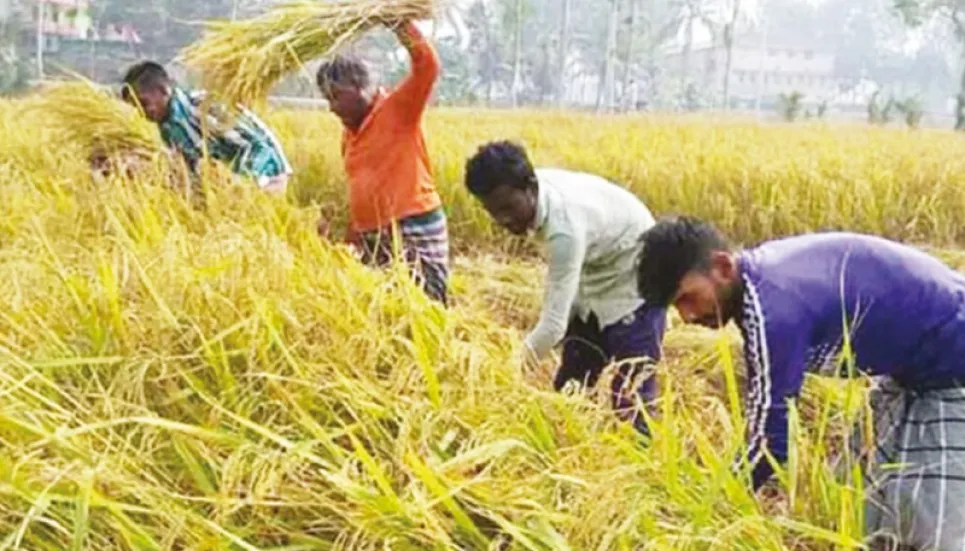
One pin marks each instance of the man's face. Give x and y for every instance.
(349, 103)
(154, 101)
(512, 208)
(707, 297)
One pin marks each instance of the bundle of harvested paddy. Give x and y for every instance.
(102, 125)
(242, 60)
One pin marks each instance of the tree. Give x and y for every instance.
(629, 53)
(951, 12)
(690, 12)
(660, 23)
(13, 69)
(544, 82)
(729, 27)
(604, 98)
(912, 110)
(563, 53)
(517, 53)
(483, 50)
(789, 106)
(880, 113)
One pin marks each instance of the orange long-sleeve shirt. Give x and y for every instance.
(388, 167)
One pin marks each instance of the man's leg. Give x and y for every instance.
(584, 355)
(920, 502)
(635, 344)
(426, 249)
(889, 410)
(375, 247)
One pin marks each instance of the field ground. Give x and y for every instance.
(178, 374)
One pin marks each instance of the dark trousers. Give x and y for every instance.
(634, 343)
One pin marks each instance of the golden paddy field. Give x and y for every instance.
(178, 373)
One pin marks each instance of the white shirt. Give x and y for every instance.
(592, 228)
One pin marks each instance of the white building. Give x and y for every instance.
(760, 70)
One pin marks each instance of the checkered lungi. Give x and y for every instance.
(916, 489)
(424, 247)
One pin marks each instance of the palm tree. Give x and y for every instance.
(563, 53)
(517, 54)
(604, 98)
(628, 60)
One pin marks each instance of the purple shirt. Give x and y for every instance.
(902, 310)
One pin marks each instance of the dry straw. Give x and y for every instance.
(242, 60)
(90, 116)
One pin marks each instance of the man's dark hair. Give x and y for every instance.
(669, 250)
(497, 163)
(144, 75)
(345, 70)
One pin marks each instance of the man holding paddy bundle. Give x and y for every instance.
(388, 168)
(195, 129)
(591, 227)
(804, 302)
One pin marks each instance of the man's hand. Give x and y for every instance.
(524, 357)
(274, 185)
(394, 25)
(124, 164)
(403, 30)
(99, 163)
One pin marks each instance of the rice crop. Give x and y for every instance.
(85, 115)
(180, 375)
(242, 60)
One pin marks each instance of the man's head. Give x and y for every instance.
(148, 85)
(689, 264)
(502, 178)
(345, 83)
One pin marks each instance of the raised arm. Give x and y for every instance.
(413, 93)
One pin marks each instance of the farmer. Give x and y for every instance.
(591, 228)
(388, 168)
(796, 302)
(191, 127)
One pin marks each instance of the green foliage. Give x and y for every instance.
(789, 105)
(14, 72)
(912, 110)
(913, 12)
(822, 109)
(880, 112)
(916, 12)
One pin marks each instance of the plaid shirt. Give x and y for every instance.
(245, 143)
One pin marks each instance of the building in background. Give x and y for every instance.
(760, 71)
(58, 36)
(63, 18)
